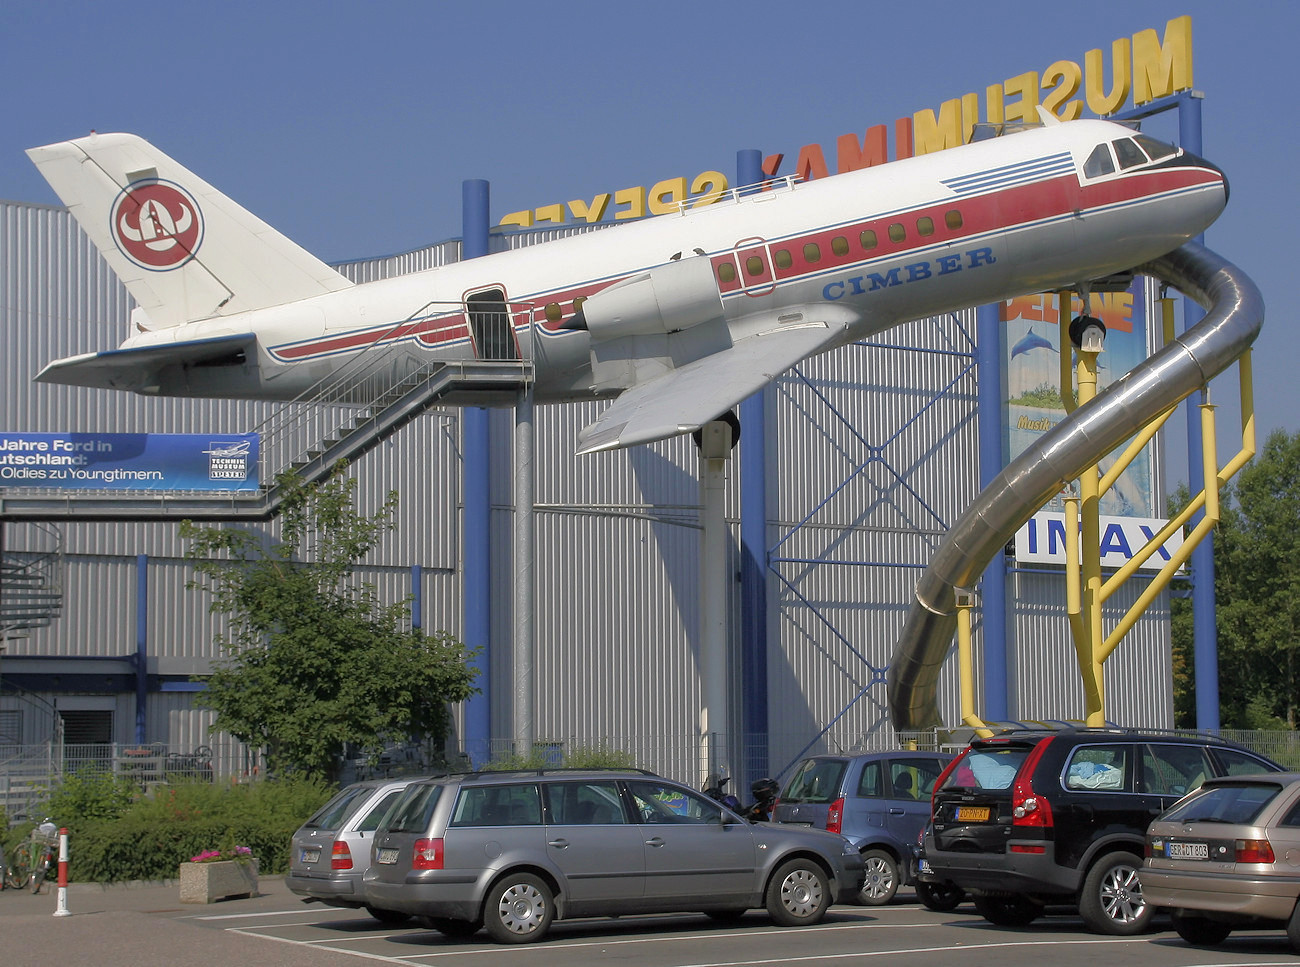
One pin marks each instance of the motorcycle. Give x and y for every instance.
(764, 792)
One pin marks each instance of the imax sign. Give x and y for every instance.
(1042, 541)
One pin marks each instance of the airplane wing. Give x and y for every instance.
(140, 368)
(686, 398)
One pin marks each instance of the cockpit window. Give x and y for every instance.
(1129, 154)
(1156, 149)
(1099, 162)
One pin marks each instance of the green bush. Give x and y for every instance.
(156, 833)
(580, 757)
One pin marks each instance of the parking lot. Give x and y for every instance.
(147, 925)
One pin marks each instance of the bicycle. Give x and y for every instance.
(34, 859)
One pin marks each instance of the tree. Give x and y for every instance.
(313, 659)
(1257, 594)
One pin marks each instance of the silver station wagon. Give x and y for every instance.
(514, 851)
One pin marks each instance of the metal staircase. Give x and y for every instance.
(31, 580)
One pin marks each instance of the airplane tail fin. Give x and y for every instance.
(184, 250)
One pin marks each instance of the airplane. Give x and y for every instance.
(676, 318)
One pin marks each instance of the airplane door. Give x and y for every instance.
(754, 267)
(490, 325)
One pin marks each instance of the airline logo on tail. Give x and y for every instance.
(157, 225)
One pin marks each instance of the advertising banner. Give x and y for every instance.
(129, 461)
(1042, 541)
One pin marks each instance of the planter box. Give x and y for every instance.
(223, 880)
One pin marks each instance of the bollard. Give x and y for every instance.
(62, 909)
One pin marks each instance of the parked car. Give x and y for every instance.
(515, 851)
(1031, 817)
(329, 853)
(878, 801)
(1228, 856)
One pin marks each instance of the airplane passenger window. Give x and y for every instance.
(783, 258)
(868, 239)
(1156, 149)
(726, 272)
(953, 219)
(754, 265)
(925, 226)
(1129, 154)
(897, 232)
(553, 313)
(1099, 162)
(812, 252)
(840, 245)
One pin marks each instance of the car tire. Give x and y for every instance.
(1293, 929)
(1111, 901)
(450, 927)
(1201, 931)
(519, 909)
(798, 894)
(1016, 910)
(387, 916)
(940, 897)
(881, 882)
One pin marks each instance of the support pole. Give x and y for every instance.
(1204, 633)
(525, 611)
(753, 556)
(141, 647)
(477, 536)
(715, 715)
(988, 356)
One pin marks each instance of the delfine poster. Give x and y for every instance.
(129, 461)
(1033, 378)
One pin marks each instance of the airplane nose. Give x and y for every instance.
(1197, 161)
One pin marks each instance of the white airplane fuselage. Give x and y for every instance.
(854, 254)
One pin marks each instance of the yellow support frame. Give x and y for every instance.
(1086, 592)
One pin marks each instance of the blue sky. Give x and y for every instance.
(351, 126)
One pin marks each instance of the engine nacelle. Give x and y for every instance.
(669, 298)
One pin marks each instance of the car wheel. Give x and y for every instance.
(940, 897)
(1293, 929)
(1111, 901)
(387, 916)
(519, 909)
(798, 894)
(1201, 931)
(881, 882)
(1016, 910)
(453, 928)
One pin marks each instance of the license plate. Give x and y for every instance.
(1188, 851)
(387, 856)
(924, 866)
(311, 855)
(795, 823)
(972, 814)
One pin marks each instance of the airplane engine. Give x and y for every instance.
(669, 298)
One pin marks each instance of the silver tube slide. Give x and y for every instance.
(1235, 312)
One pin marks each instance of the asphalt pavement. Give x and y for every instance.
(144, 924)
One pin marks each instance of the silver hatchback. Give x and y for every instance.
(329, 853)
(513, 852)
(1228, 856)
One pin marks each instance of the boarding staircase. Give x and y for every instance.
(344, 416)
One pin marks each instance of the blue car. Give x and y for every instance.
(879, 801)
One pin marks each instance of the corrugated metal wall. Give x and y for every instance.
(872, 454)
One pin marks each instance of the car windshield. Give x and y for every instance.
(816, 780)
(336, 812)
(990, 768)
(414, 810)
(1238, 803)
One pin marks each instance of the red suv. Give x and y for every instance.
(1032, 817)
